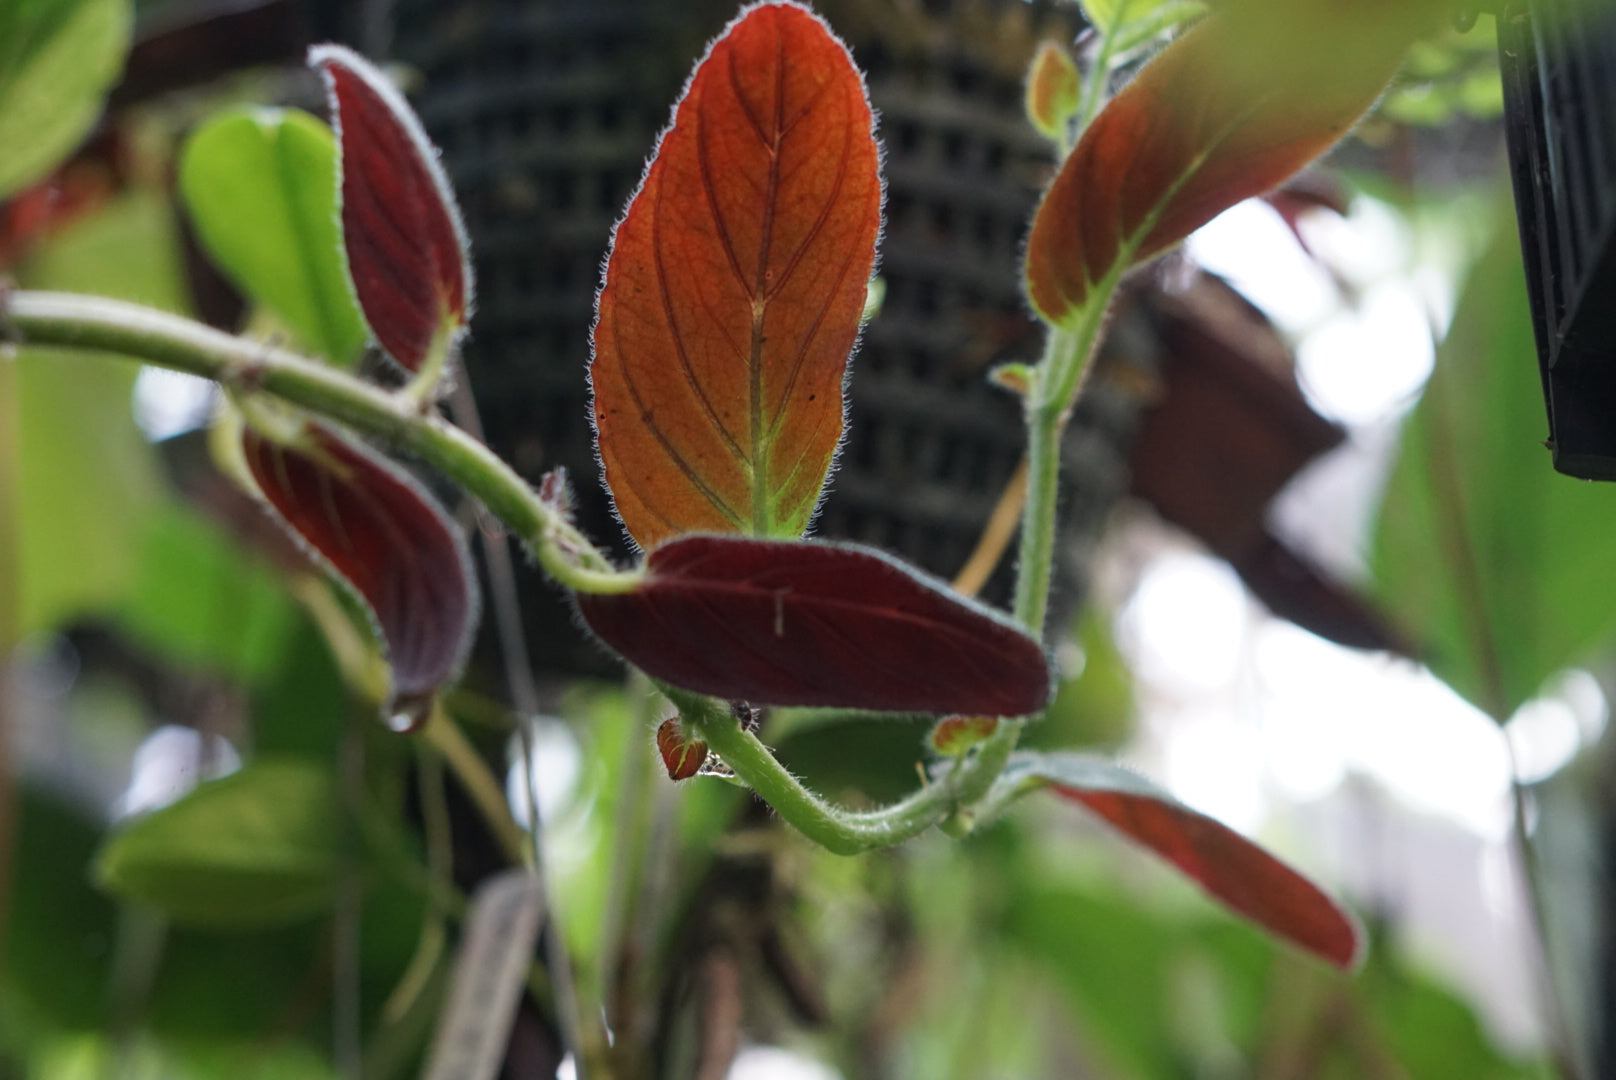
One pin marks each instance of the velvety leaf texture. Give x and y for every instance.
(733, 291)
(388, 540)
(1229, 110)
(1229, 867)
(803, 623)
(406, 247)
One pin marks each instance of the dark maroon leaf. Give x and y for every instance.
(406, 246)
(1229, 867)
(805, 623)
(387, 540)
(682, 756)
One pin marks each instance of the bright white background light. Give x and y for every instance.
(1360, 766)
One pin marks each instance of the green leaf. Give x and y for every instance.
(1077, 936)
(1128, 17)
(57, 59)
(199, 601)
(1152, 20)
(261, 186)
(1497, 565)
(57, 945)
(255, 848)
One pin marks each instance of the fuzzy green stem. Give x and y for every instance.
(155, 337)
(845, 832)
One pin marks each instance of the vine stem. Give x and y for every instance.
(845, 832)
(170, 341)
(82, 322)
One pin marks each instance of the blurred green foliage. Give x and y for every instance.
(57, 59)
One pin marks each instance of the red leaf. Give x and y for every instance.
(802, 623)
(1229, 867)
(406, 247)
(387, 540)
(681, 756)
(1240, 102)
(734, 287)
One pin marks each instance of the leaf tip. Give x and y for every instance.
(407, 251)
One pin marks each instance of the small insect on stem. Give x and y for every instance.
(750, 716)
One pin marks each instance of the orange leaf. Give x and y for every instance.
(1228, 111)
(734, 287)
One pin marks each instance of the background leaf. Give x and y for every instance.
(1497, 564)
(734, 288)
(58, 58)
(388, 540)
(1229, 867)
(799, 623)
(261, 187)
(197, 599)
(254, 848)
(406, 248)
(89, 479)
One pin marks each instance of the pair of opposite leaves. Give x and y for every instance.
(730, 305)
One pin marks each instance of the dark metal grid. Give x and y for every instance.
(545, 113)
(1559, 63)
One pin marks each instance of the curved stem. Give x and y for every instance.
(846, 832)
(155, 337)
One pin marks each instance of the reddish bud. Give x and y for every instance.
(803, 623)
(682, 755)
(406, 246)
(388, 541)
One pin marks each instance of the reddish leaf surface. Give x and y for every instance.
(803, 623)
(734, 287)
(1240, 102)
(681, 756)
(388, 540)
(1229, 867)
(406, 247)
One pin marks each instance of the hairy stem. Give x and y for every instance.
(85, 322)
(846, 832)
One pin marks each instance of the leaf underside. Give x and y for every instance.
(1229, 867)
(1240, 102)
(815, 624)
(384, 537)
(734, 288)
(405, 246)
